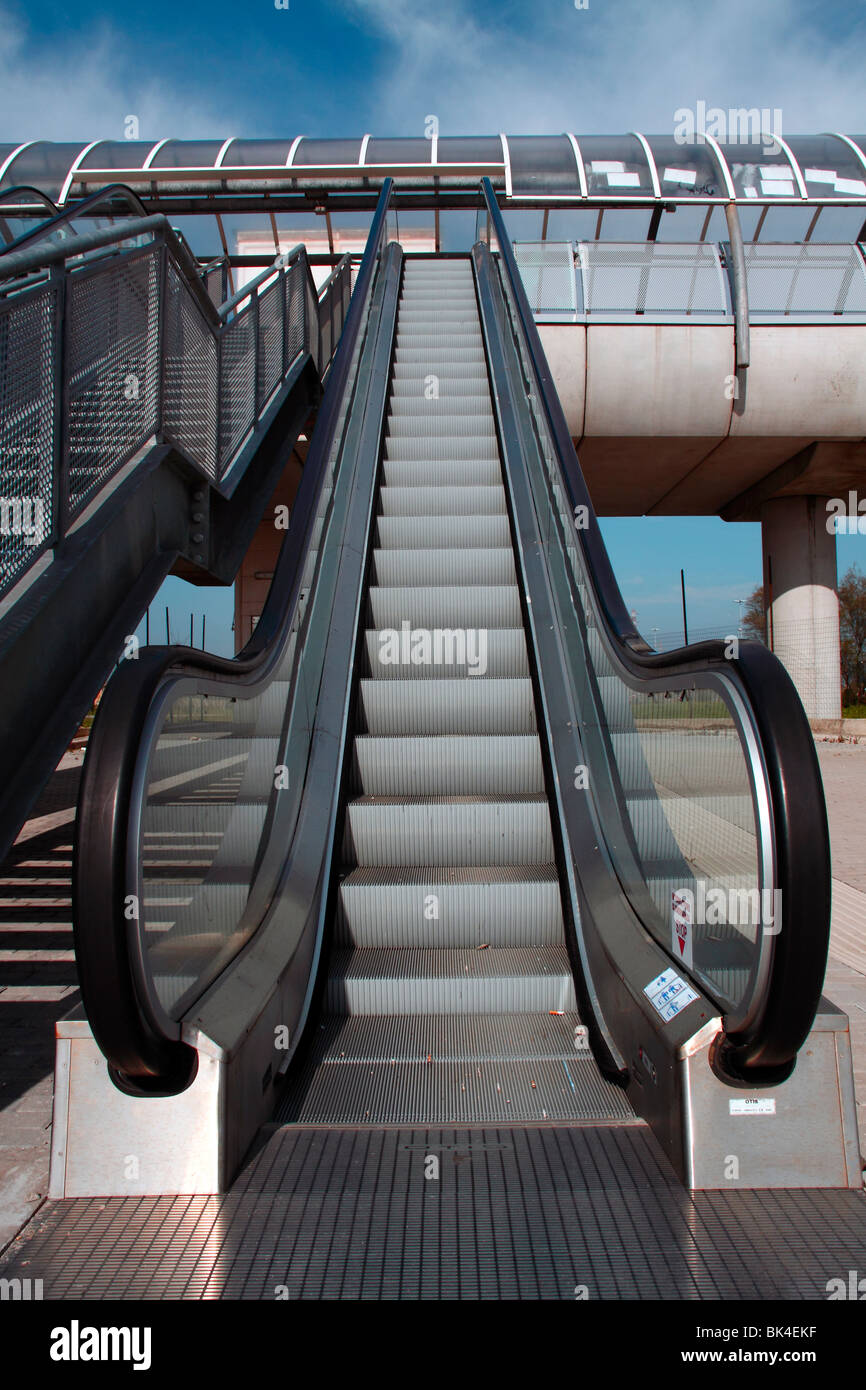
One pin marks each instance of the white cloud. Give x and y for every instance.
(85, 87)
(620, 65)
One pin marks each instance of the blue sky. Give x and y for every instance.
(331, 67)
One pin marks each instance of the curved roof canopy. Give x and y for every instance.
(568, 168)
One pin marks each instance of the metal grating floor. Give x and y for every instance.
(531, 1213)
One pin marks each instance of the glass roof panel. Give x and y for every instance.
(414, 151)
(616, 166)
(469, 149)
(686, 171)
(250, 153)
(759, 175)
(327, 152)
(176, 154)
(830, 168)
(45, 165)
(543, 164)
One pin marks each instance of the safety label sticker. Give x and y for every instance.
(669, 994)
(753, 1105)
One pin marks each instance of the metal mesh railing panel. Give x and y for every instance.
(812, 280)
(190, 376)
(112, 369)
(237, 383)
(270, 329)
(652, 278)
(28, 384)
(550, 277)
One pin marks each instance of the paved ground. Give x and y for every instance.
(38, 980)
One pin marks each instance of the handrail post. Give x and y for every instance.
(739, 286)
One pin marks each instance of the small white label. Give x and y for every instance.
(820, 175)
(855, 186)
(753, 1105)
(669, 994)
(777, 188)
(688, 176)
(623, 180)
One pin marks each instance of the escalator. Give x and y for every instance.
(449, 994)
(436, 849)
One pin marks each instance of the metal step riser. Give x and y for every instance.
(478, 706)
(518, 994)
(453, 765)
(448, 609)
(450, 473)
(442, 423)
(443, 533)
(446, 500)
(442, 568)
(489, 834)
(470, 917)
(440, 446)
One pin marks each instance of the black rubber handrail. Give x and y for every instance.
(87, 207)
(143, 1054)
(768, 1046)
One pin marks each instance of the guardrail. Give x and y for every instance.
(100, 357)
(671, 282)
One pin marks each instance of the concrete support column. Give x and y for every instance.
(800, 597)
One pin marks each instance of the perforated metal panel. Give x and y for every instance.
(550, 278)
(190, 374)
(237, 383)
(661, 279)
(813, 281)
(112, 368)
(28, 386)
(270, 346)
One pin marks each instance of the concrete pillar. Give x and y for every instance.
(800, 596)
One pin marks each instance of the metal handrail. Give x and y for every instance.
(145, 1050)
(796, 956)
(86, 207)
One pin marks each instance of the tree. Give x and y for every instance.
(852, 635)
(754, 619)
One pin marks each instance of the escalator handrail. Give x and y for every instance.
(129, 1029)
(69, 214)
(802, 849)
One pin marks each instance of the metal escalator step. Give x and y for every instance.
(479, 706)
(438, 446)
(501, 911)
(410, 382)
(420, 408)
(442, 421)
(535, 1091)
(345, 1040)
(439, 355)
(509, 979)
(408, 568)
(506, 656)
(463, 499)
(443, 533)
(412, 473)
(447, 764)
(459, 832)
(479, 606)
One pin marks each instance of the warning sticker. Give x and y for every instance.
(669, 994)
(753, 1105)
(682, 925)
